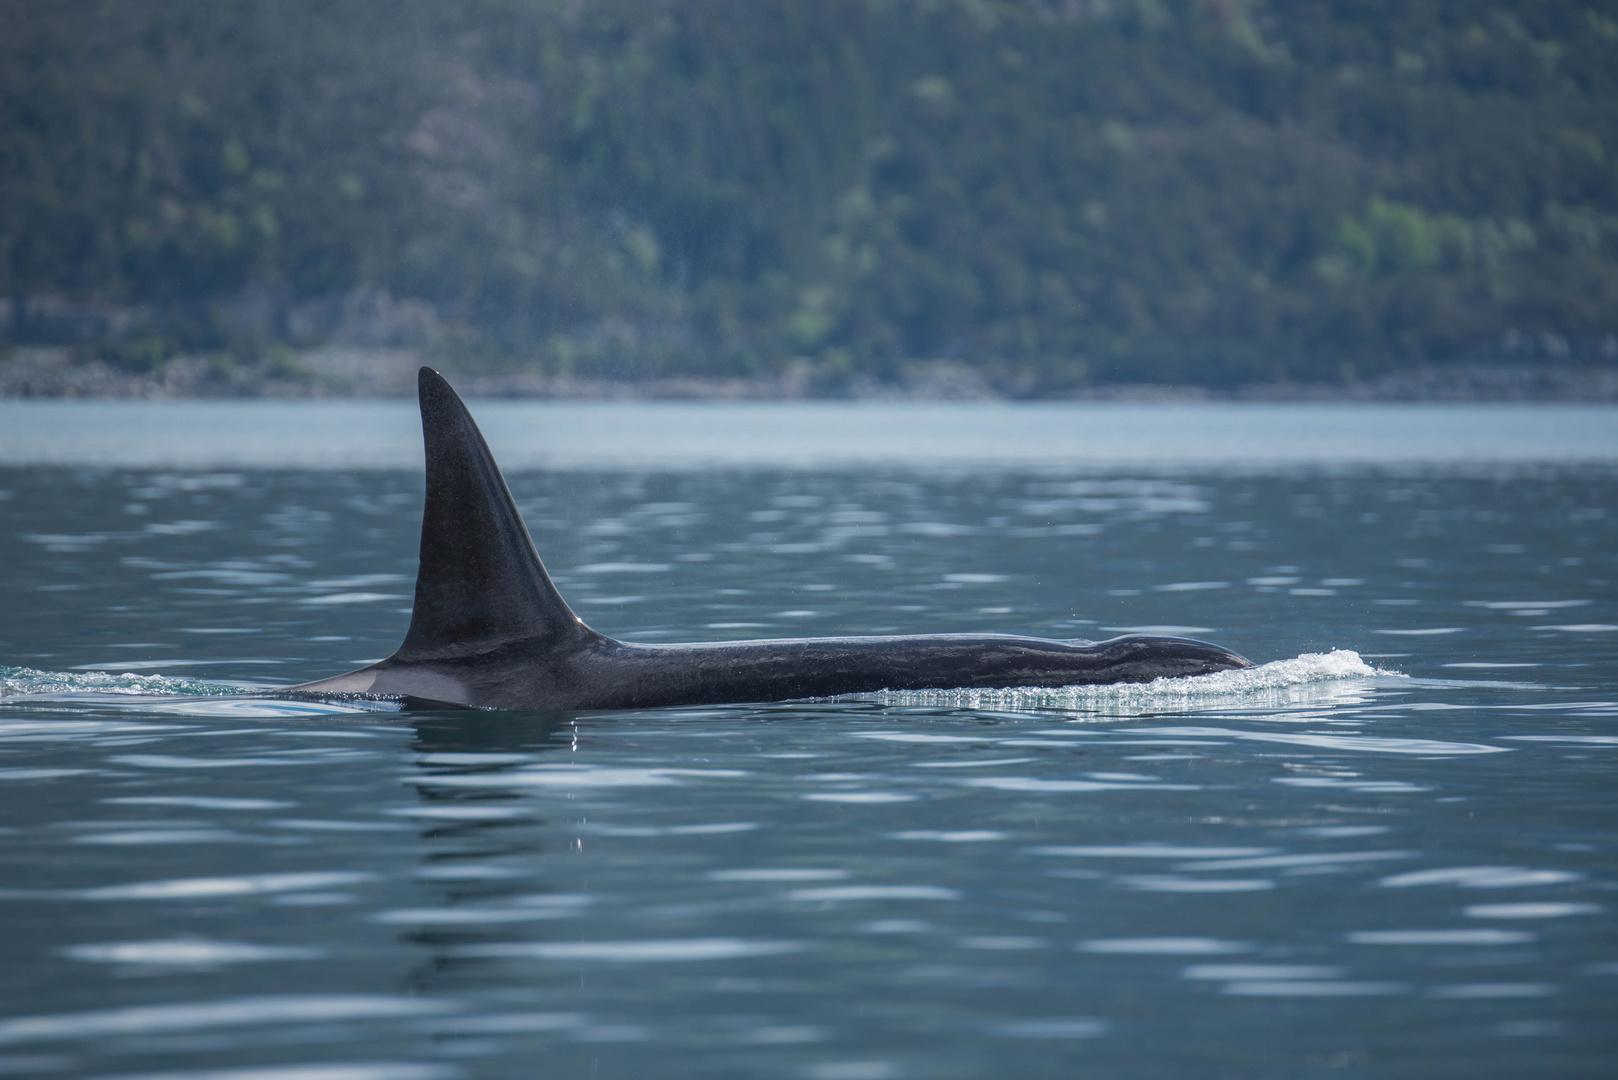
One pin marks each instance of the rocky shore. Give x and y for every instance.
(44, 372)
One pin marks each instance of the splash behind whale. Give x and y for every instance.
(490, 630)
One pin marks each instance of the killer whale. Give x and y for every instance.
(490, 630)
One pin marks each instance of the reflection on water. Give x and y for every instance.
(1387, 849)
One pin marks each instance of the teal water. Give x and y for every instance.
(1388, 851)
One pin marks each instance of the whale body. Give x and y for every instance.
(490, 630)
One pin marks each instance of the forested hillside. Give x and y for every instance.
(1056, 192)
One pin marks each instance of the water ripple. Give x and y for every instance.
(633, 952)
(1164, 946)
(188, 952)
(202, 1015)
(335, 1070)
(215, 887)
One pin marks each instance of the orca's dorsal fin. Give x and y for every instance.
(481, 584)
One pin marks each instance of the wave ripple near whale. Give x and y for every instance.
(1264, 681)
(30, 682)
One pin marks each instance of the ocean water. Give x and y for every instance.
(1389, 850)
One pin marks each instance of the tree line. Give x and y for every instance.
(1055, 192)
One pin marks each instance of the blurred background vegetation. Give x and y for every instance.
(1050, 193)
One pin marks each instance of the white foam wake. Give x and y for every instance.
(100, 690)
(28, 682)
(1263, 682)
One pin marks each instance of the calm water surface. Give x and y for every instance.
(1389, 851)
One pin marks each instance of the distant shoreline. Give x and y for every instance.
(361, 374)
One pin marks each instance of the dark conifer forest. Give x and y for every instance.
(1055, 193)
